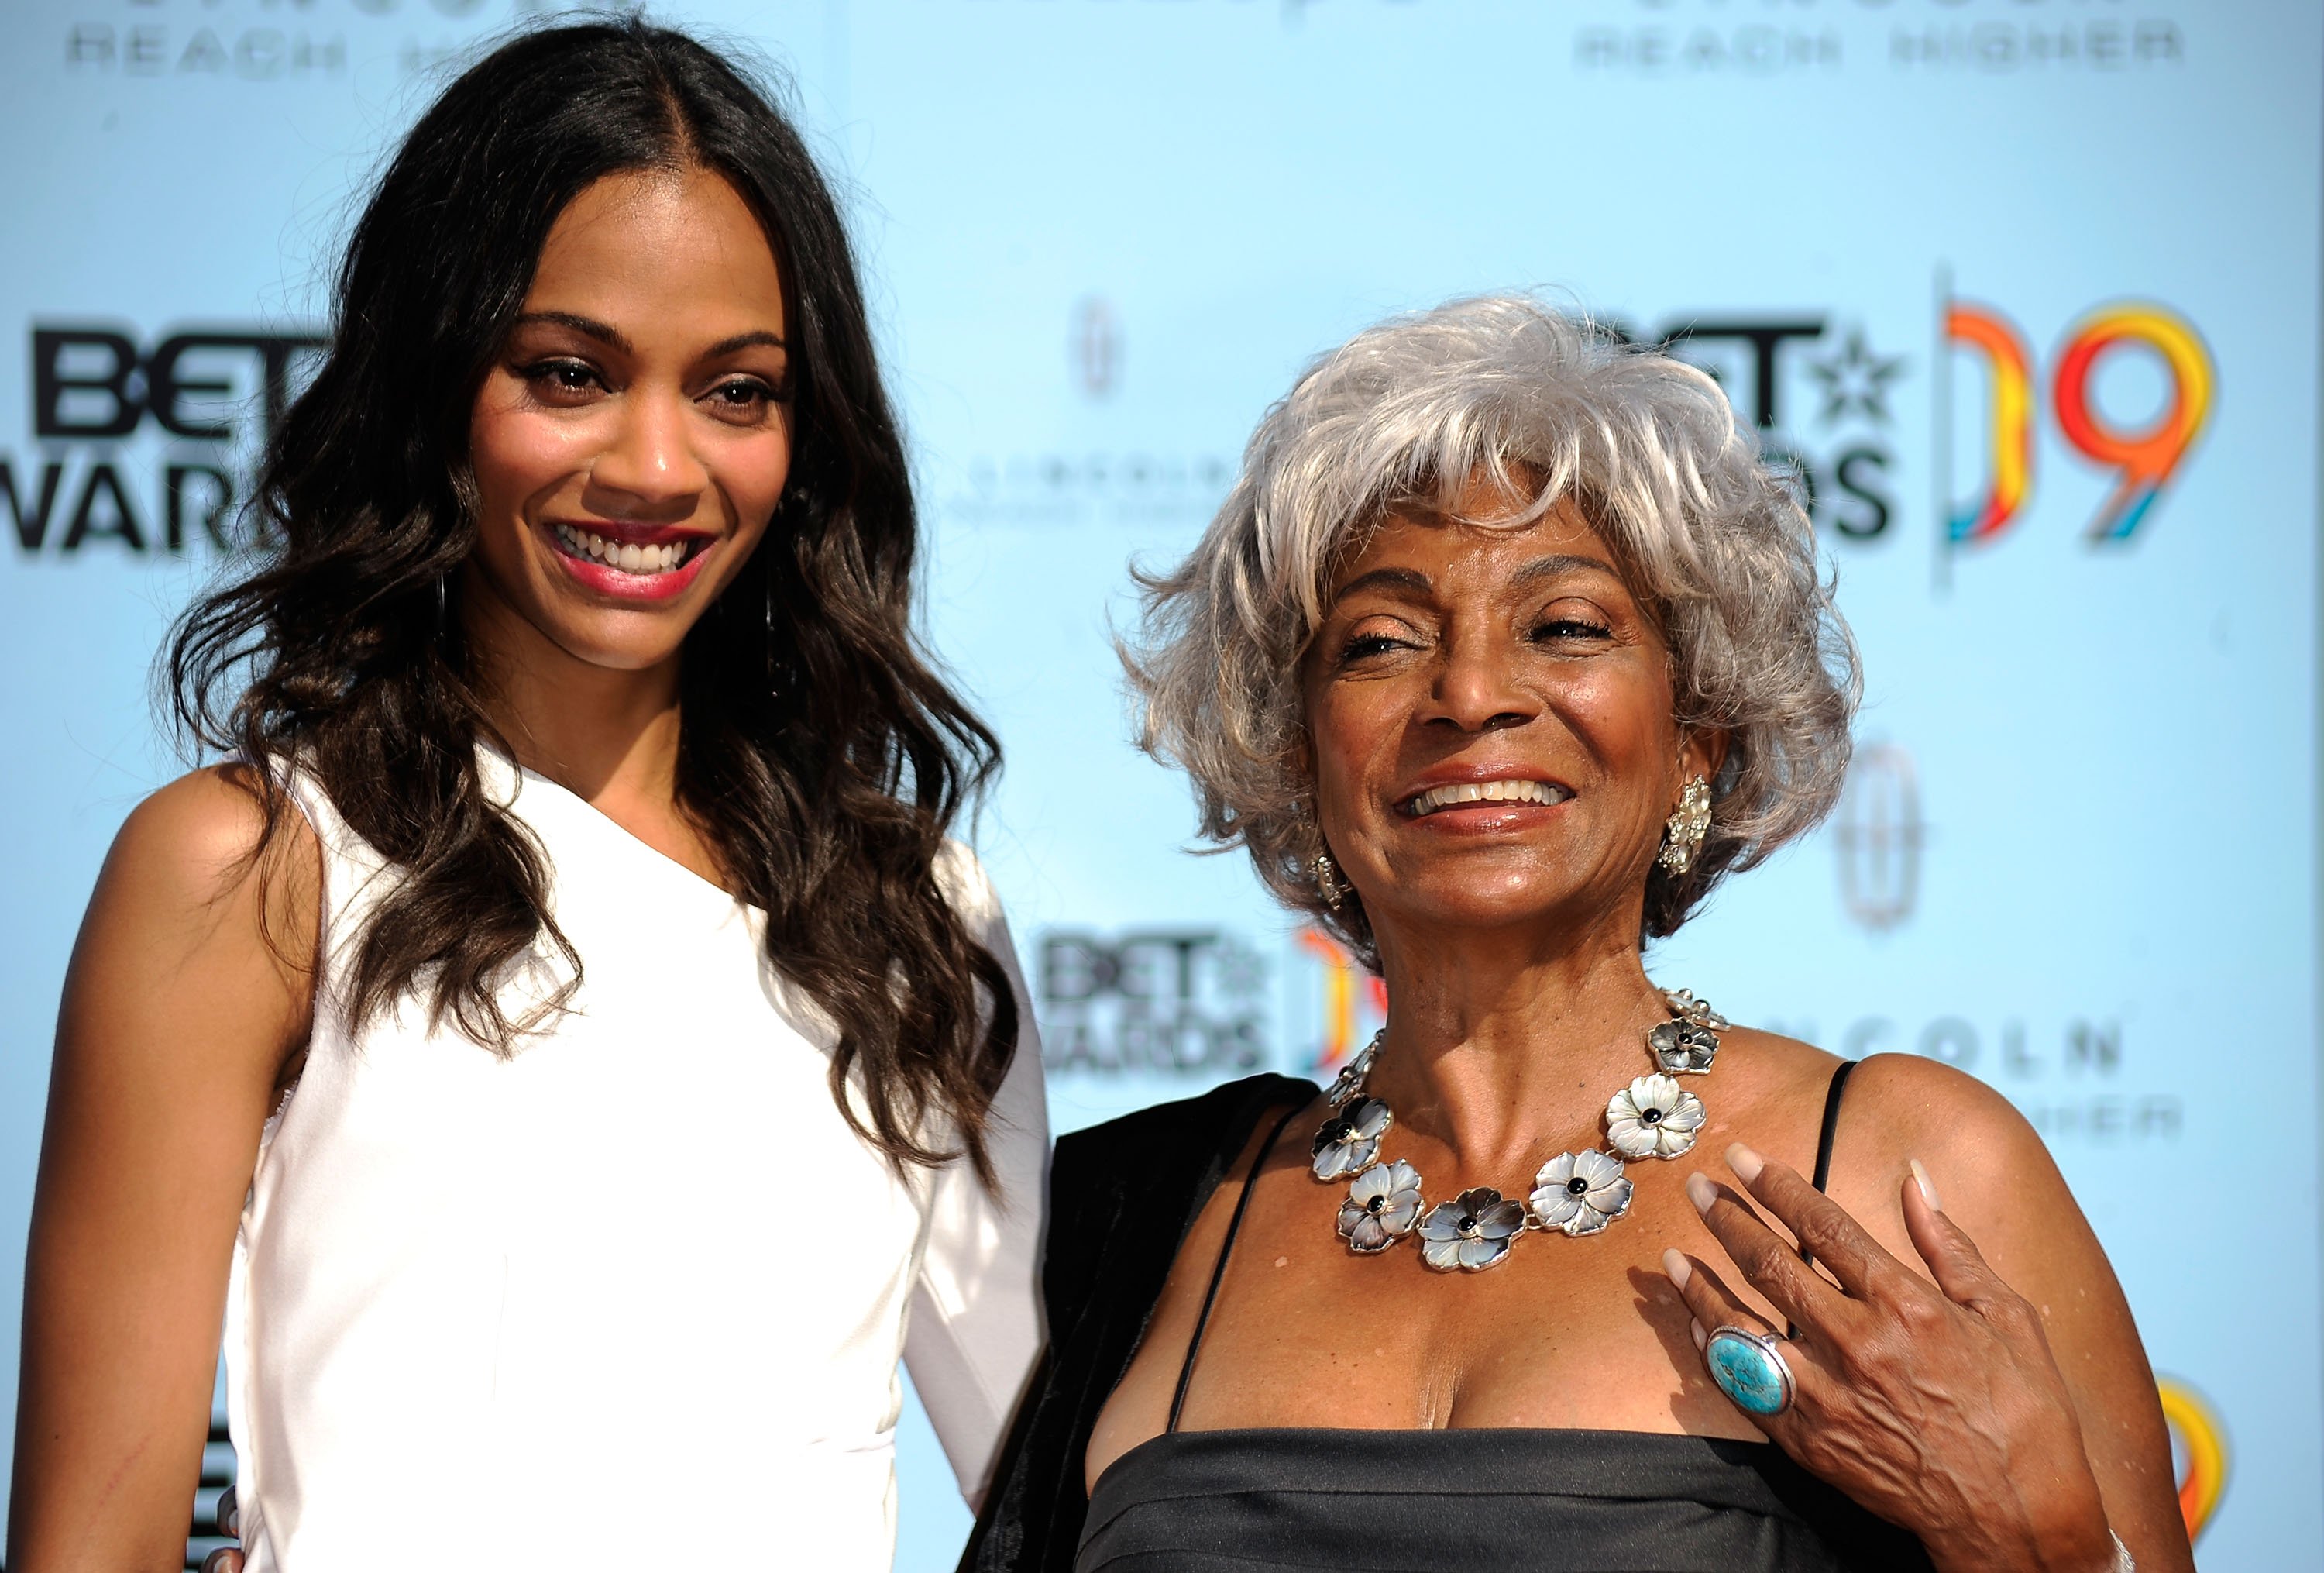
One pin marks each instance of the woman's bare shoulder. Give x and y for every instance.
(1899, 1106)
(1789, 1078)
(1895, 1108)
(198, 863)
(215, 816)
(1989, 1164)
(1926, 1109)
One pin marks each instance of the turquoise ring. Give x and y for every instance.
(1751, 1369)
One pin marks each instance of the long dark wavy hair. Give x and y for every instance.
(819, 754)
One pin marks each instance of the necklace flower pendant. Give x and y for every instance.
(1575, 1193)
(1349, 1139)
(1351, 1078)
(1653, 1117)
(1471, 1232)
(1682, 1048)
(1382, 1205)
(1580, 1192)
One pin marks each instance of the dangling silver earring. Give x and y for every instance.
(1683, 833)
(1328, 882)
(443, 600)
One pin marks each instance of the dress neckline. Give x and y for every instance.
(1728, 1449)
(516, 776)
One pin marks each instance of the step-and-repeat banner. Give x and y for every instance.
(2026, 291)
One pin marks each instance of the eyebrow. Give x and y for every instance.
(744, 341)
(1412, 582)
(587, 327)
(606, 334)
(1549, 568)
(1409, 580)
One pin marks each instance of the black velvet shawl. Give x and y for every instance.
(1122, 1197)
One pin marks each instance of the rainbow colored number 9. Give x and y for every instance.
(2146, 458)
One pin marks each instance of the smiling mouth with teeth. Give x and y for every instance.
(642, 560)
(1546, 793)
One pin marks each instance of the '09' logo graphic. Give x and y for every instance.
(2144, 461)
(2198, 1447)
(1354, 1001)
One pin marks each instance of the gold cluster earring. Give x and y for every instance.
(1683, 833)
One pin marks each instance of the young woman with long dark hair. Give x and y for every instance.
(559, 1044)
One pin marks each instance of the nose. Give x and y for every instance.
(1476, 688)
(650, 465)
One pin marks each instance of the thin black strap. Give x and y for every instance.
(1823, 1151)
(1831, 1122)
(1219, 1271)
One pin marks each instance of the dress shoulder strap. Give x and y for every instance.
(1831, 1122)
(1823, 1150)
(1218, 1269)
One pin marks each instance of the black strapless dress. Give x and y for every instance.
(1520, 1501)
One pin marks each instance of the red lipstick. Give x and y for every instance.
(624, 560)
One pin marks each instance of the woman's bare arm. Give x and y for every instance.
(1998, 1183)
(179, 1024)
(1973, 1372)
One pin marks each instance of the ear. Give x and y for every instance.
(1702, 752)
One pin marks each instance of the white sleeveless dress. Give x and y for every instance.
(637, 1294)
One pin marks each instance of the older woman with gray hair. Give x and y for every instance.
(1505, 649)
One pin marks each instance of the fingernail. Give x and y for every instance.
(1700, 1337)
(1674, 1262)
(1745, 1163)
(1928, 1187)
(1701, 1192)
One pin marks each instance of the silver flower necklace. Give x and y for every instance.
(1575, 1193)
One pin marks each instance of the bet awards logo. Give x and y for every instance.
(1179, 1000)
(1822, 394)
(145, 448)
(1840, 450)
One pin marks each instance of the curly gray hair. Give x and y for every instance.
(1407, 415)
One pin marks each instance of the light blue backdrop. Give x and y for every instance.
(2081, 858)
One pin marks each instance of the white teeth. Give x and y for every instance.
(629, 558)
(1488, 792)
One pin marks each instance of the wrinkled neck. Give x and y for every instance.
(1498, 1040)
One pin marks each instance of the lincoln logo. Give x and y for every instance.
(1879, 834)
(1093, 347)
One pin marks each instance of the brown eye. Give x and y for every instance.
(561, 380)
(742, 399)
(1571, 628)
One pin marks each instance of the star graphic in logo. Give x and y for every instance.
(1856, 379)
